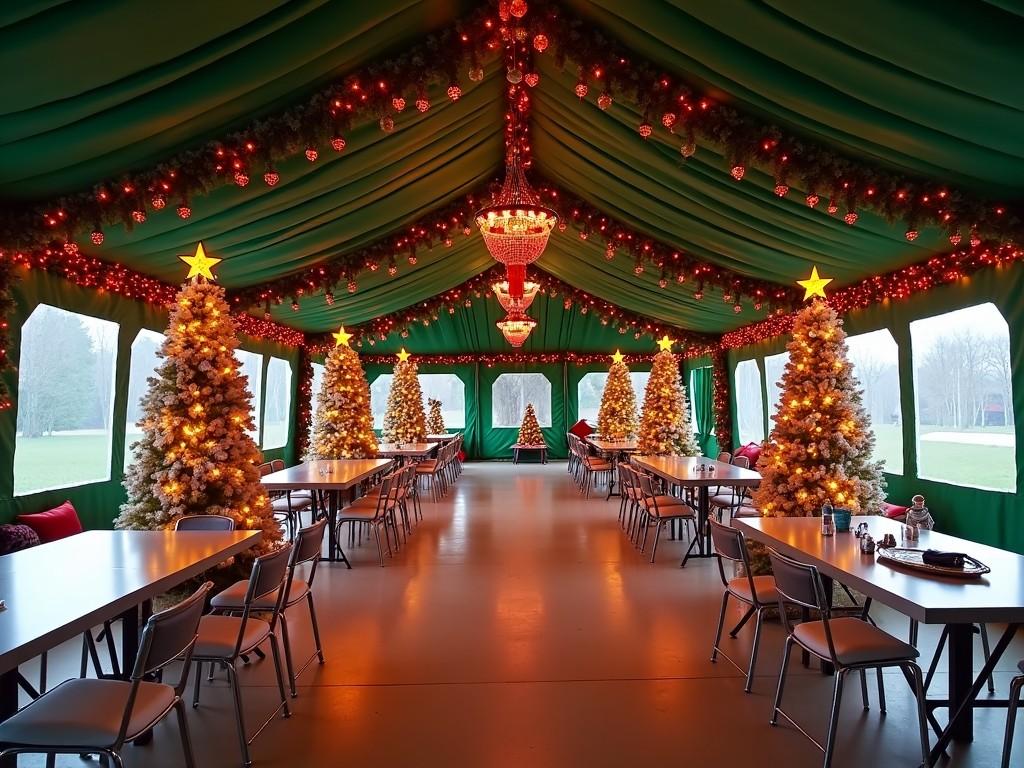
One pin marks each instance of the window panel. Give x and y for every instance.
(143, 365)
(774, 367)
(749, 408)
(277, 407)
(591, 388)
(65, 400)
(510, 394)
(318, 382)
(875, 359)
(252, 367)
(962, 386)
(451, 391)
(379, 398)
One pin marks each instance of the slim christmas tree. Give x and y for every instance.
(435, 421)
(404, 420)
(616, 419)
(821, 446)
(529, 430)
(344, 424)
(196, 456)
(665, 429)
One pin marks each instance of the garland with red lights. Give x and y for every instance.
(6, 305)
(608, 70)
(720, 385)
(898, 284)
(673, 265)
(304, 409)
(90, 272)
(520, 358)
(479, 286)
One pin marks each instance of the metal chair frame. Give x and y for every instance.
(1011, 716)
(662, 516)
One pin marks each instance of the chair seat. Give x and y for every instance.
(745, 510)
(598, 465)
(764, 585)
(665, 503)
(357, 514)
(233, 598)
(722, 500)
(86, 713)
(295, 505)
(855, 641)
(218, 635)
(426, 466)
(301, 495)
(364, 502)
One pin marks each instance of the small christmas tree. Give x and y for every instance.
(821, 446)
(196, 456)
(344, 423)
(435, 421)
(404, 420)
(665, 429)
(529, 430)
(616, 419)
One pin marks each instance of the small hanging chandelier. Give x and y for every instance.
(509, 302)
(516, 327)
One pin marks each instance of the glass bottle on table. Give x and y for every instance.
(828, 526)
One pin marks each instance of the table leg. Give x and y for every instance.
(8, 706)
(611, 483)
(336, 553)
(961, 676)
(704, 530)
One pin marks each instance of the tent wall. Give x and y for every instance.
(97, 503)
(991, 517)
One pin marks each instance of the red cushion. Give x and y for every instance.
(752, 451)
(57, 523)
(894, 511)
(581, 428)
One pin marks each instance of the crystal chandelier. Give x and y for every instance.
(509, 302)
(516, 327)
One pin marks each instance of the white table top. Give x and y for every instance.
(410, 450)
(619, 446)
(56, 591)
(998, 596)
(441, 438)
(341, 474)
(683, 470)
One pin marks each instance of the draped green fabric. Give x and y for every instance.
(702, 400)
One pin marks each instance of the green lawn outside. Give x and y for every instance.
(58, 461)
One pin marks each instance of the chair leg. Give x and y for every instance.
(186, 739)
(922, 713)
(939, 648)
(988, 654)
(288, 656)
(718, 632)
(380, 551)
(782, 681)
(753, 652)
(864, 689)
(195, 686)
(316, 628)
(833, 721)
(280, 678)
(1011, 719)
(881, 690)
(657, 538)
(243, 740)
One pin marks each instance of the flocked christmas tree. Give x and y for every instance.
(435, 420)
(404, 420)
(196, 456)
(665, 429)
(343, 427)
(821, 446)
(616, 418)
(529, 430)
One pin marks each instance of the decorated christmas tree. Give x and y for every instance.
(665, 429)
(616, 419)
(404, 420)
(529, 430)
(435, 421)
(343, 428)
(196, 456)
(821, 446)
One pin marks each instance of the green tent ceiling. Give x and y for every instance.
(103, 89)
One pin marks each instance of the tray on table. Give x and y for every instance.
(912, 558)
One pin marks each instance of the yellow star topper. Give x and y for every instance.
(200, 264)
(814, 285)
(618, 357)
(341, 337)
(665, 344)
(403, 355)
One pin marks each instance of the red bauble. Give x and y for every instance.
(422, 104)
(338, 143)
(911, 235)
(184, 211)
(70, 248)
(638, 269)
(738, 172)
(398, 103)
(158, 202)
(392, 270)
(604, 100)
(581, 90)
(454, 92)
(96, 237)
(241, 179)
(517, 8)
(698, 294)
(975, 238)
(663, 283)
(833, 207)
(851, 217)
(954, 239)
(583, 234)
(609, 252)
(312, 154)
(270, 178)
(668, 119)
(138, 216)
(352, 286)
(688, 149)
(448, 242)
(737, 308)
(812, 200)
(540, 43)
(476, 74)
(387, 124)
(532, 79)
(781, 190)
(645, 129)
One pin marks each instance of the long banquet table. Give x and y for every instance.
(331, 477)
(56, 591)
(959, 603)
(685, 472)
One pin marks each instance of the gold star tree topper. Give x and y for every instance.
(665, 343)
(618, 357)
(814, 285)
(341, 337)
(200, 264)
(403, 355)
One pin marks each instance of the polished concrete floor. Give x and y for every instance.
(519, 627)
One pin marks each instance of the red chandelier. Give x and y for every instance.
(509, 302)
(516, 327)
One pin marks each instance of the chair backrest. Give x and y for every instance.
(800, 584)
(728, 542)
(266, 468)
(743, 462)
(204, 523)
(308, 542)
(276, 465)
(725, 457)
(267, 575)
